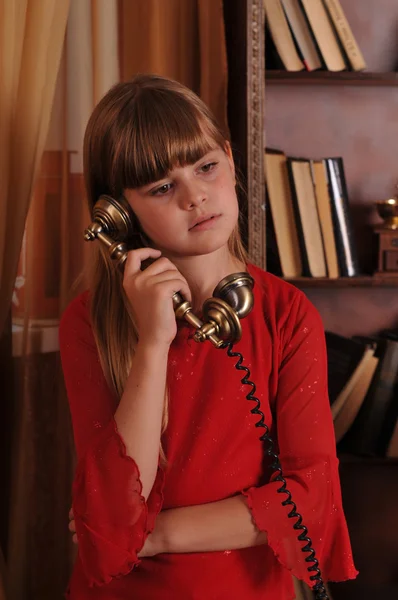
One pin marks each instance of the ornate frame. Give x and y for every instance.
(255, 60)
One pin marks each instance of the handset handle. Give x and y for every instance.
(117, 250)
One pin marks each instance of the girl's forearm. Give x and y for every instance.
(139, 414)
(217, 526)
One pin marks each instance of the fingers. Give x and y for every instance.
(136, 257)
(72, 526)
(171, 282)
(161, 269)
(173, 286)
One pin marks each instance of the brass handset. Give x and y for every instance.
(113, 225)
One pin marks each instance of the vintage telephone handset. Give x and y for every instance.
(113, 225)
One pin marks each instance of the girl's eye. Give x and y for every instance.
(162, 190)
(208, 167)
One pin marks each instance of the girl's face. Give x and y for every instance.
(169, 210)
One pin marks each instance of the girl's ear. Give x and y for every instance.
(228, 152)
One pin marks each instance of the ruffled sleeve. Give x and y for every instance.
(111, 515)
(307, 451)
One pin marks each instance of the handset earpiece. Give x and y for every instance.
(232, 301)
(113, 225)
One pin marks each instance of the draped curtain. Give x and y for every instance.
(69, 52)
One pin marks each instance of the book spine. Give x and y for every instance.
(312, 34)
(343, 231)
(344, 32)
(297, 216)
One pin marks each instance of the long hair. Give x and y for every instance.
(136, 134)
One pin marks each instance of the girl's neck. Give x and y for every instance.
(203, 273)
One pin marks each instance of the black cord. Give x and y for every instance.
(318, 588)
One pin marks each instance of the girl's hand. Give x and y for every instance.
(153, 543)
(150, 294)
(150, 548)
(72, 526)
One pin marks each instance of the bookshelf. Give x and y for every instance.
(363, 281)
(319, 114)
(348, 78)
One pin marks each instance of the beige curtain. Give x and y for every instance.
(104, 43)
(31, 36)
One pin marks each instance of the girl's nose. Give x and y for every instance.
(193, 195)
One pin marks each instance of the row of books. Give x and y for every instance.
(311, 35)
(309, 228)
(363, 392)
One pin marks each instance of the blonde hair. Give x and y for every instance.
(136, 134)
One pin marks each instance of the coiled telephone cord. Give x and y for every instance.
(318, 588)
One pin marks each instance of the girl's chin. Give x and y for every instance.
(200, 245)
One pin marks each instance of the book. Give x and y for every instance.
(351, 383)
(302, 34)
(344, 356)
(271, 246)
(324, 34)
(345, 35)
(282, 213)
(325, 217)
(391, 415)
(343, 230)
(368, 435)
(392, 449)
(306, 217)
(353, 400)
(279, 29)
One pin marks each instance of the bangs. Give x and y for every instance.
(159, 131)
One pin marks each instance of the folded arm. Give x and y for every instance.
(217, 526)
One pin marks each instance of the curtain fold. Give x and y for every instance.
(180, 39)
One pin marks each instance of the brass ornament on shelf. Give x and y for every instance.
(386, 234)
(388, 211)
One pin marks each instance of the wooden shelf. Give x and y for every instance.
(351, 78)
(345, 282)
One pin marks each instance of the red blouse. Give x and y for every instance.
(213, 452)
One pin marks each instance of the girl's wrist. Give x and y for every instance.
(161, 538)
(147, 347)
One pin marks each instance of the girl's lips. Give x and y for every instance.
(208, 224)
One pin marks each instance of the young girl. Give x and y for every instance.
(172, 497)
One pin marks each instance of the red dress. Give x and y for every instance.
(213, 452)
